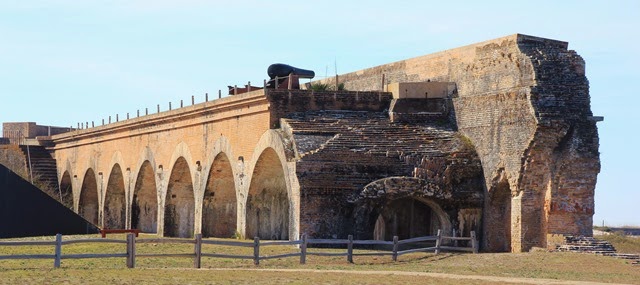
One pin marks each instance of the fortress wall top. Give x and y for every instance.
(211, 111)
(285, 102)
(31, 129)
(456, 65)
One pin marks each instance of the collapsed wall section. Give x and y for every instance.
(361, 174)
(523, 102)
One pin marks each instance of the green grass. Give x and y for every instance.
(562, 266)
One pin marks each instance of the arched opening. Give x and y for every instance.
(88, 204)
(407, 218)
(180, 204)
(268, 203)
(115, 202)
(379, 229)
(66, 190)
(144, 208)
(498, 221)
(219, 203)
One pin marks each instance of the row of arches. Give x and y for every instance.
(174, 200)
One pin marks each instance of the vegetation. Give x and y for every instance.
(466, 142)
(326, 87)
(562, 266)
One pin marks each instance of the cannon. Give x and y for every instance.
(284, 76)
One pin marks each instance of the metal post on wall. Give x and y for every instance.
(30, 166)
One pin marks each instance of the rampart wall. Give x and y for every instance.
(195, 169)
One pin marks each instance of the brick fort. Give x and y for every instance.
(496, 137)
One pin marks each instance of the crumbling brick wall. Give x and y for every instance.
(524, 103)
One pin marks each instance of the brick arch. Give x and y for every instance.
(89, 201)
(66, 190)
(80, 175)
(143, 197)
(221, 195)
(182, 151)
(66, 184)
(179, 202)
(498, 207)
(383, 200)
(270, 154)
(114, 200)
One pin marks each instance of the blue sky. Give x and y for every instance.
(63, 62)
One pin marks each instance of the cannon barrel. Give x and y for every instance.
(281, 70)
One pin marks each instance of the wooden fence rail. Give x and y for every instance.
(131, 255)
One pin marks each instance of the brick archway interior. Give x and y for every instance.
(179, 204)
(66, 191)
(115, 202)
(406, 218)
(267, 202)
(498, 227)
(144, 208)
(88, 204)
(219, 215)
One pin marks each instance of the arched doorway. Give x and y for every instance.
(268, 203)
(179, 204)
(407, 218)
(144, 207)
(498, 221)
(219, 203)
(114, 201)
(88, 204)
(65, 194)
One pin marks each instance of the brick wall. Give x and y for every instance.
(524, 103)
(30, 129)
(285, 102)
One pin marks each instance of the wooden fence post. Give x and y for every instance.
(350, 249)
(58, 255)
(394, 256)
(198, 251)
(256, 251)
(303, 249)
(131, 250)
(438, 242)
(474, 242)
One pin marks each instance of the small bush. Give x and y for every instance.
(326, 87)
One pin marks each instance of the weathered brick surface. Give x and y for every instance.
(344, 153)
(524, 103)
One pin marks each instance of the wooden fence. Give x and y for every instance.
(197, 255)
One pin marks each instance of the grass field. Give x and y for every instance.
(558, 266)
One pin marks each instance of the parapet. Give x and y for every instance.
(422, 90)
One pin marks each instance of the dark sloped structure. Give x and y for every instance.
(27, 211)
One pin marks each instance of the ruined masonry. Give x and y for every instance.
(496, 137)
